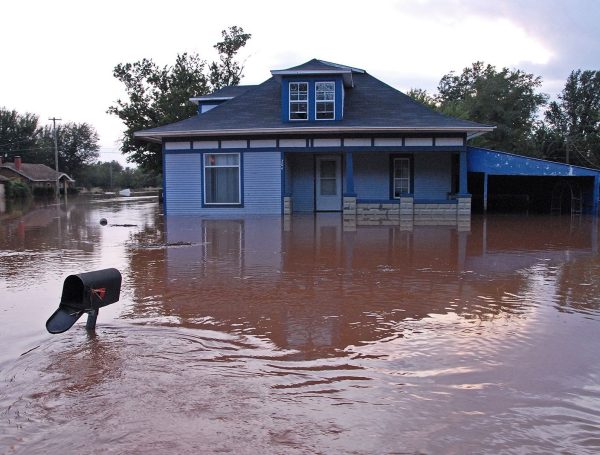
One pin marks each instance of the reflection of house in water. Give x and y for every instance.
(306, 282)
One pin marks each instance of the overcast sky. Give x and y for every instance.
(57, 56)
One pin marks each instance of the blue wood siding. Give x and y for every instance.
(261, 184)
(372, 175)
(433, 175)
(303, 186)
(183, 183)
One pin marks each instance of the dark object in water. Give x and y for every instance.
(103, 221)
(124, 225)
(85, 293)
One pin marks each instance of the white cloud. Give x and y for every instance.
(62, 53)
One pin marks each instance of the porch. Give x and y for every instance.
(378, 186)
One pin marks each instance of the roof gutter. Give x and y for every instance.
(156, 137)
(196, 100)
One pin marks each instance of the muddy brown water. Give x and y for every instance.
(301, 335)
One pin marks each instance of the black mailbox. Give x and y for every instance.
(85, 293)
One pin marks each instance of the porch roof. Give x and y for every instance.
(494, 162)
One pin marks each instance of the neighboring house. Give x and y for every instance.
(37, 176)
(316, 137)
(3, 182)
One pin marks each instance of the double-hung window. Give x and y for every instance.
(325, 100)
(401, 177)
(222, 179)
(298, 100)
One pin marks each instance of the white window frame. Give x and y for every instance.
(208, 166)
(400, 158)
(290, 101)
(324, 101)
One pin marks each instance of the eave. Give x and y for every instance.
(31, 179)
(198, 99)
(157, 137)
(346, 74)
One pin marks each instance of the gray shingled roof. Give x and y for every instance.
(36, 172)
(370, 106)
(320, 65)
(230, 91)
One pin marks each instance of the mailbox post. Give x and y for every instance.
(85, 293)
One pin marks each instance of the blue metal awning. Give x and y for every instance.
(496, 163)
(493, 162)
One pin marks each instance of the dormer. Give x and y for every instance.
(314, 91)
(207, 102)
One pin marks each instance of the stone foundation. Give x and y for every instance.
(406, 210)
(349, 206)
(287, 205)
(379, 210)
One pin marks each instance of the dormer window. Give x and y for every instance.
(298, 100)
(325, 100)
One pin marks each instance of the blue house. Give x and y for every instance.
(316, 137)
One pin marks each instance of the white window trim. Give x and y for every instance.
(325, 101)
(239, 166)
(400, 178)
(290, 101)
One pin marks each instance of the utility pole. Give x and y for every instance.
(54, 120)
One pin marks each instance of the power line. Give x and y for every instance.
(26, 150)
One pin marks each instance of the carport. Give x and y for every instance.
(506, 181)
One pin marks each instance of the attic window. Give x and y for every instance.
(325, 100)
(298, 100)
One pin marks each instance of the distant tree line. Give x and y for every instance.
(22, 135)
(566, 130)
(111, 175)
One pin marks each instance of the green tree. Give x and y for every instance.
(100, 174)
(572, 129)
(111, 175)
(423, 97)
(228, 71)
(160, 95)
(77, 146)
(505, 98)
(19, 134)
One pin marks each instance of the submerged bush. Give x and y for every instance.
(16, 189)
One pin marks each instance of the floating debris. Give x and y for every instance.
(154, 246)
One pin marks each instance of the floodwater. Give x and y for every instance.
(301, 335)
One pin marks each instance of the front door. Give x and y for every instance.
(329, 183)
